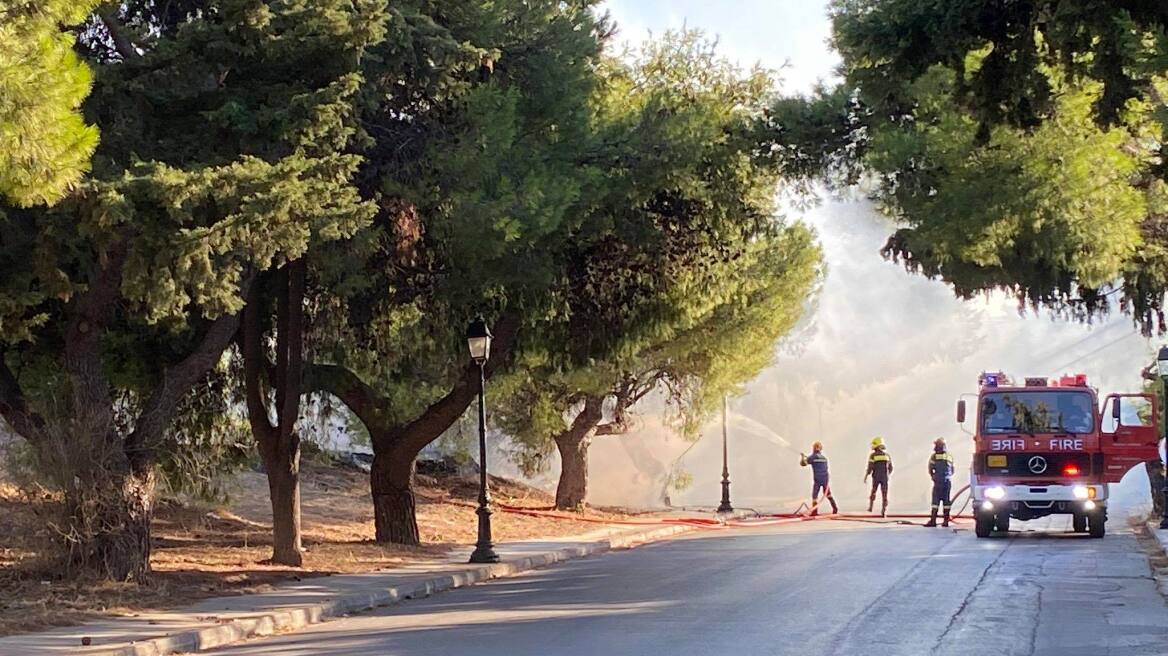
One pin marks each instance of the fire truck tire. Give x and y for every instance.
(1079, 523)
(983, 525)
(1002, 522)
(1098, 526)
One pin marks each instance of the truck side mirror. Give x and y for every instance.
(1115, 410)
(961, 411)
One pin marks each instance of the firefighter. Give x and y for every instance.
(819, 477)
(941, 471)
(880, 469)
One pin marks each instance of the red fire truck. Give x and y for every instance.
(1046, 447)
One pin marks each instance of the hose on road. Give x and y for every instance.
(801, 514)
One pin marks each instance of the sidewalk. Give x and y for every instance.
(1157, 533)
(225, 620)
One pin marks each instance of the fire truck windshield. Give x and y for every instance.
(1037, 412)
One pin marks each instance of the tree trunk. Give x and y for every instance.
(109, 535)
(284, 490)
(1155, 470)
(573, 446)
(279, 444)
(391, 481)
(395, 446)
(108, 475)
(573, 484)
(109, 497)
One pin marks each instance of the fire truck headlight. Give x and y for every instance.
(996, 492)
(986, 505)
(1088, 505)
(1080, 492)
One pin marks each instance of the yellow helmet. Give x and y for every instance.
(877, 441)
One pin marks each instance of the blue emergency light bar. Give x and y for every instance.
(993, 379)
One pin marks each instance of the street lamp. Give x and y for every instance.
(478, 340)
(1162, 369)
(725, 506)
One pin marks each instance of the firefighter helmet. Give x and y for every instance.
(939, 444)
(817, 446)
(877, 441)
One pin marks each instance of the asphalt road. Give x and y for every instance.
(817, 588)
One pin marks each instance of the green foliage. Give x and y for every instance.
(1020, 211)
(480, 123)
(682, 192)
(1021, 147)
(679, 481)
(230, 144)
(208, 441)
(772, 285)
(815, 138)
(45, 144)
(201, 184)
(681, 277)
(886, 44)
(531, 412)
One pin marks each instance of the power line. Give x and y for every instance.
(1058, 370)
(1079, 342)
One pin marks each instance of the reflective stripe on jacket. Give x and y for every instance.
(941, 467)
(879, 465)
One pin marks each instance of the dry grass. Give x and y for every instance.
(202, 552)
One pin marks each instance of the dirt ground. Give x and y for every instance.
(203, 551)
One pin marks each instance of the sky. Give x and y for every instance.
(884, 352)
(789, 36)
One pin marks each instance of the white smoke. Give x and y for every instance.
(887, 353)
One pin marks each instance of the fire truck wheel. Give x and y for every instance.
(1002, 522)
(1079, 523)
(1098, 526)
(983, 525)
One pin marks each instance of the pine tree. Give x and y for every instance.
(673, 240)
(45, 144)
(478, 157)
(225, 153)
(1022, 146)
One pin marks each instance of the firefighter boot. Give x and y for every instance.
(932, 519)
(834, 508)
(871, 500)
(946, 522)
(884, 508)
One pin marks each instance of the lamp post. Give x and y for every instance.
(478, 340)
(1162, 369)
(725, 506)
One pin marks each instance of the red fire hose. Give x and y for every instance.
(801, 514)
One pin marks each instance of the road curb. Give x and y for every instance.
(1160, 535)
(280, 621)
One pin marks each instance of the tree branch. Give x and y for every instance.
(441, 414)
(612, 428)
(14, 407)
(358, 397)
(118, 32)
(292, 336)
(177, 381)
(255, 366)
(586, 420)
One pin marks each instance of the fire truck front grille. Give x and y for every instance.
(1038, 465)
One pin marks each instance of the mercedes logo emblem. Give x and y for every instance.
(1037, 464)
